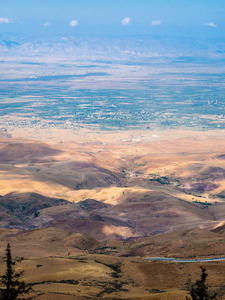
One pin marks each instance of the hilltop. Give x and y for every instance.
(102, 204)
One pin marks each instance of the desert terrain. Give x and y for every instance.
(86, 211)
(112, 147)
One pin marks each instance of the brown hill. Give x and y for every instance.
(46, 242)
(29, 166)
(17, 209)
(26, 151)
(57, 263)
(135, 213)
(86, 214)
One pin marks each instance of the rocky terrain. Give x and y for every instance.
(103, 206)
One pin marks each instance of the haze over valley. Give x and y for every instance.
(112, 148)
(111, 82)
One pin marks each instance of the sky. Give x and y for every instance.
(187, 18)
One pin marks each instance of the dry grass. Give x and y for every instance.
(122, 170)
(91, 276)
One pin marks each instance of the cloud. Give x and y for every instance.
(73, 23)
(47, 24)
(210, 24)
(126, 21)
(156, 23)
(4, 21)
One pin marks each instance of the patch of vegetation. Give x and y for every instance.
(80, 259)
(155, 291)
(202, 203)
(112, 287)
(115, 267)
(105, 250)
(162, 180)
(68, 281)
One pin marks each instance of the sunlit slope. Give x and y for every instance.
(195, 165)
(32, 166)
(112, 187)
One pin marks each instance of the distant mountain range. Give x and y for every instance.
(109, 48)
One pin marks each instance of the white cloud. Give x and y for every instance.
(210, 24)
(73, 23)
(126, 21)
(47, 23)
(4, 21)
(156, 23)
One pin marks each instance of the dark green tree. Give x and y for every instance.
(199, 289)
(11, 285)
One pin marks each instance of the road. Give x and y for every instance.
(185, 260)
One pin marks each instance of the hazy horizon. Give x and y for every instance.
(204, 19)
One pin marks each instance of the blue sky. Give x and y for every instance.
(193, 18)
